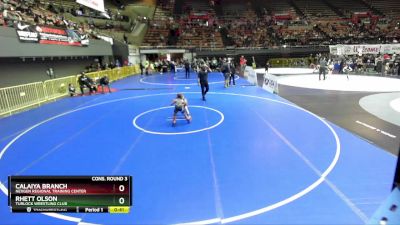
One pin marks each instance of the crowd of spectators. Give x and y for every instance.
(114, 21)
(161, 25)
(384, 65)
(244, 27)
(14, 13)
(381, 64)
(163, 65)
(247, 28)
(33, 12)
(198, 33)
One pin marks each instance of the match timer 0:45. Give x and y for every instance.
(75, 194)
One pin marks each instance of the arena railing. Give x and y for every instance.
(197, 48)
(18, 98)
(291, 62)
(57, 88)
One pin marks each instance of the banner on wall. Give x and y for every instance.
(364, 49)
(94, 4)
(333, 49)
(391, 49)
(250, 75)
(105, 38)
(270, 83)
(49, 35)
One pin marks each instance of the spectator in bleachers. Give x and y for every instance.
(244, 27)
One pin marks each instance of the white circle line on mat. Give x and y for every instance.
(177, 133)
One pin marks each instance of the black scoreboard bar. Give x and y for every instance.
(72, 194)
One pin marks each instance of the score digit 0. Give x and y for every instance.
(121, 188)
(121, 200)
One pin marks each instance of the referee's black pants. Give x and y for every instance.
(204, 88)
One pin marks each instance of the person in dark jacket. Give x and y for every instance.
(226, 71)
(322, 68)
(266, 66)
(104, 81)
(203, 80)
(85, 81)
(187, 69)
(232, 76)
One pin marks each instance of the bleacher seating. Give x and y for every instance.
(389, 7)
(315, 9)
(349, 7)
(278, 7)
(198, 26)
(255, 23)
(160, 25)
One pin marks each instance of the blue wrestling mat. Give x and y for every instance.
(247, 157)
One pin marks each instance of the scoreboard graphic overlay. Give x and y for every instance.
(74, 194)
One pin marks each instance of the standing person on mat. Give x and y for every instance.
(203, 80)
(141, 68)
(242, 62)
(187, 69)
(322, 68)
(180, 106)
(266, 66)
(232, 76)
(226, 71)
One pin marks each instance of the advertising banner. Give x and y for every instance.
(270, 83)
(333, 49)
(48, 35)
(250, 75)
(391, 49)
(364, 49)
(94, 4)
